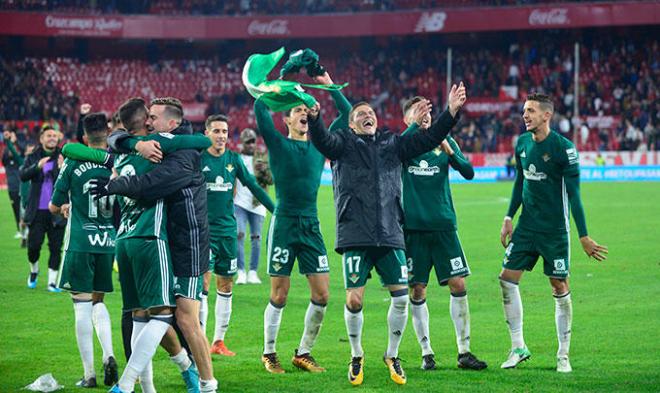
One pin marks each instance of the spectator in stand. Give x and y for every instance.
(41, 168)
(248, 210)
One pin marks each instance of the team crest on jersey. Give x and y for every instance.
(354, 278)
(437, 151)
(206, 169)
(532, 174)
(277, 267)
(546, 157)
(229, 167)
(423, 169)
(219, 185)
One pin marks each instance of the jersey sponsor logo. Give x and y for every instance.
(532, 174)
(423, 169)
(572, 156)
(560, 266)
(323, 263)
(84, 167)
(229, 167)
(219, 185)
(97, 241)
(206, 169)
(457, 265)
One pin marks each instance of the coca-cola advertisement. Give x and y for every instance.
(549, 17)
(275, 27)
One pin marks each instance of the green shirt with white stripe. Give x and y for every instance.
(545, 167)
(89, 228)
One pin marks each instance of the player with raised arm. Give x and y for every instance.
(432, 238)
(294, 231)
(366, 176)
(89, 248)
(547, 183)
(221, 168)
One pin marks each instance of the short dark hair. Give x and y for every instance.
(46, 127)
(354, 107)
(133, 113)
(544, 100)
(173, 107)
(410, 102)
(115, 120)
(95, 126)
(213, 118)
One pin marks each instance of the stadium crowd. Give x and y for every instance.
(248, 7)
(618, 79)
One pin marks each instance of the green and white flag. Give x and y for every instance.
(279, 95)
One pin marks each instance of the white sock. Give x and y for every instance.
(513, 312)
(420, 318)
(222, 315)
(34, 267)
(52, 276)
(208, 386)
(143, 351)
(101, 320)
(181, 360)
(354, 321)
(563, 320)
(313, 322)
(397, 317)
(204, 311)
(85, 335)
(272, 320)
(146, 376)
(460, 315)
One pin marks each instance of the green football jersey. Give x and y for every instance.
(544, 165)
(89, 228)
(148, 218)
(427, 201)
(296, 165)
(221, 174)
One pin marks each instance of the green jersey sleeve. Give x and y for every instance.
(249, 181)
(344, 109)
(458, 161)
(62, 185)
(265, 125)
(80, 152)
(412, 129)
(170, 143)
(571, 172)
(12, 149)
(516, 194)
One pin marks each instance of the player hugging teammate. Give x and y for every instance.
(394, 209)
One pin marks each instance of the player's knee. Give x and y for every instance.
(240, 236)
(255, 238)
(559, 286)
(354, 301)
(279, 297)
(321, 297)
(456, 285)
(418, 292)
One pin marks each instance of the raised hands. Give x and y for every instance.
(420, 110)
(456, 99)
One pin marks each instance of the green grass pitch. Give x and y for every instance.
(616, 327)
